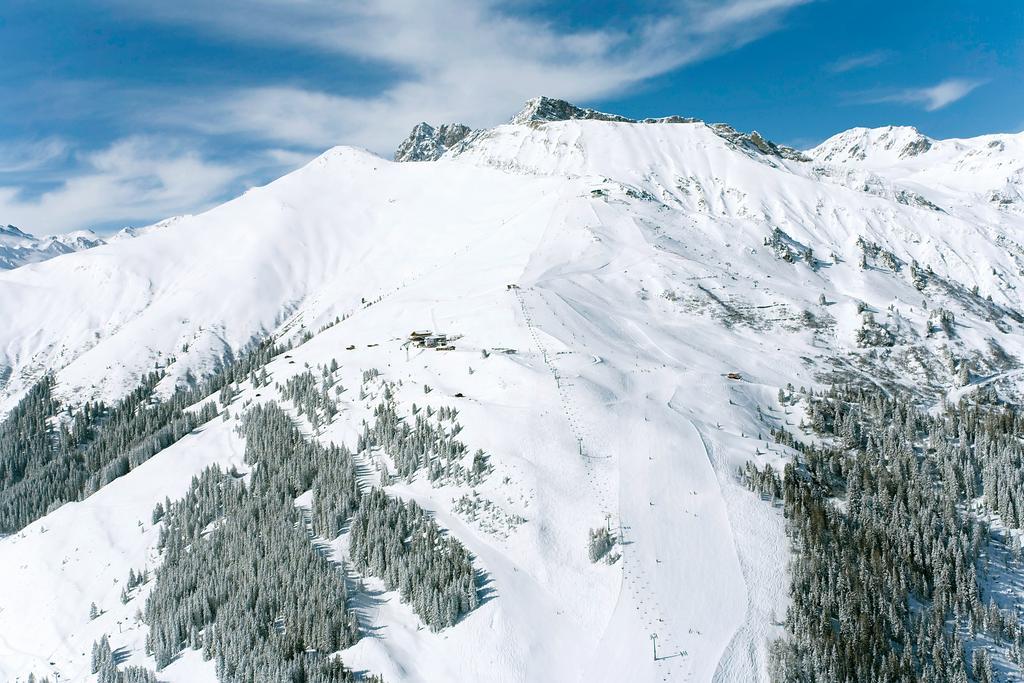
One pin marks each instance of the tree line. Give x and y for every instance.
(51, 454)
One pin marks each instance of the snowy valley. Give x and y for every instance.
(569, 340)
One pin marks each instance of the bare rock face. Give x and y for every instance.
(426, 143)
(549, 109)
(542, 109)
(755, 142)
(920, 145)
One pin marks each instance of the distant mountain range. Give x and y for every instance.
(19, 248)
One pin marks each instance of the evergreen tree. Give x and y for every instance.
(887, 577)
(42, 467)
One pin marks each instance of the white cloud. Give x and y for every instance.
(934, 97)
(287, 159)
(861, 61)
(459, 60)
(26, 156)
(727, 15)
(134, 179)
(456, 60)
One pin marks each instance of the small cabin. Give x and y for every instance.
(429, 341)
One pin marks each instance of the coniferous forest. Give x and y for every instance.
(245, 577)
(426, 444)
(49, 457)
(270, 605)
(895, 520)
(43, 466)
(399, 543)
(895, 515)
(106, 669)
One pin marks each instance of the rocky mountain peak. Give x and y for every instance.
(427, 143)
(550, 109)
(13, 231)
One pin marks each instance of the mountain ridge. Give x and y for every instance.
(617, 314)
(426, 144)
(540, 150)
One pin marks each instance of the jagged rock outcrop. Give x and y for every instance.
(544, 109)
(427, 143)
(549, 109)
(755, 142)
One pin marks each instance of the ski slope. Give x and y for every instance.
(642, 280)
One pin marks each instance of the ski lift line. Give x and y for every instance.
(564, 399)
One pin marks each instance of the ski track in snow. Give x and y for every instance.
(673, 660)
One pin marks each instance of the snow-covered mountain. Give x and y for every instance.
(988, 169)
(621, 303)
(18, 248)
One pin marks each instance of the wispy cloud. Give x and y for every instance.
(26, 156)
(131, 180)
(934, 97)
(473, 61)
(727, 15)
(859, 61)
(460, 60)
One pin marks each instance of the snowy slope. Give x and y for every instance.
(651, 261)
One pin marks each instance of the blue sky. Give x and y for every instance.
(122, 112)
